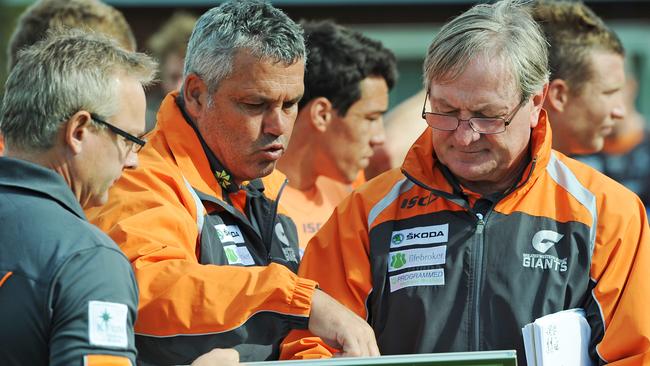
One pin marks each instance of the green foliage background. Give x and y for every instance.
(8, 16)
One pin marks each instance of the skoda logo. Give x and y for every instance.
(397, 238)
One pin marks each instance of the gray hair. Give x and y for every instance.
(504, 29)
(254, 26)
(61, 75)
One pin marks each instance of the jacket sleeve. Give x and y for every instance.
(617, 309)
(93, 304)
(341, 244)
(152, 219)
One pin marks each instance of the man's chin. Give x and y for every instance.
(262, 171)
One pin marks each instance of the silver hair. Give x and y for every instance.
(504, 30)
(254, 26)
(65, 73)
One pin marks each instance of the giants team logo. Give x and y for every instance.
(543, 241)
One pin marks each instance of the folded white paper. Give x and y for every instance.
(559, 339)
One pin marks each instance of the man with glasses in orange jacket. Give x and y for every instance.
(485, 227)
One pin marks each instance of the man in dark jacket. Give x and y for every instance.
(72, 114)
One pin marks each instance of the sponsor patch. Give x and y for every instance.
(542, 241)
(229, 233)
(416, 258)
(420, 235)
(107, 324)
(238, 255)
(429, 277)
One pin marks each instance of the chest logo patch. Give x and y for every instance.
(416, 258)
(107, 324)
(238, 255)
(542, 241)
(279, 232)
(428, 277)
(420, 236)
(229, 234)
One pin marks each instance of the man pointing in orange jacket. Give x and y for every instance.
(212, 252)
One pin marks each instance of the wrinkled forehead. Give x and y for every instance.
(486, 74)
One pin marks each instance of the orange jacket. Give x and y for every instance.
(430, 273)
(188, 305)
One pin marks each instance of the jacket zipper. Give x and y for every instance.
(478, 266)
(268, 234)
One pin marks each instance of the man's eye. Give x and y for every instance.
(288, 105)
(253, 106)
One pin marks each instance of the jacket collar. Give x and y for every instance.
(421, 162)
(223, 175)
(38, 180)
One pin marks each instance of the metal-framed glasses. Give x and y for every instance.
(133, 143)
(482, 125)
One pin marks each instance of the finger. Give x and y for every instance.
(373, 348)
(230, 355)
(351, 348)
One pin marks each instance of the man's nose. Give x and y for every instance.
(464, 135)
(377, 134)
(275, 122)
(131, 161)
(618, 112)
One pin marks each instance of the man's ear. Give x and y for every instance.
(195, 95)
(538, 103)
(76, 130)
(320, 113)
(558, 95)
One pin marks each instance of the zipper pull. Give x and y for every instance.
(480, 224)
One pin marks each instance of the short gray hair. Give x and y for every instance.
(504, 29)
(254, 26)
(61, 75)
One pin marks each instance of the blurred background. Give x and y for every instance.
(405, 26)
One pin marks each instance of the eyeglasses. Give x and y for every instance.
(134, 143)
(482, 125)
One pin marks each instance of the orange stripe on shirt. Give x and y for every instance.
(4, 278)
(106, 360)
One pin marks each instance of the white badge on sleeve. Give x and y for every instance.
(107, 324)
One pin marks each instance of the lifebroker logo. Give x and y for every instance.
(418, 257)
(398, 261)
(542, 241)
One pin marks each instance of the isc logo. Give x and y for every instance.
(418, 200)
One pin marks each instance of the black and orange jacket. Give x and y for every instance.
(433, 273)
(212, 270)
